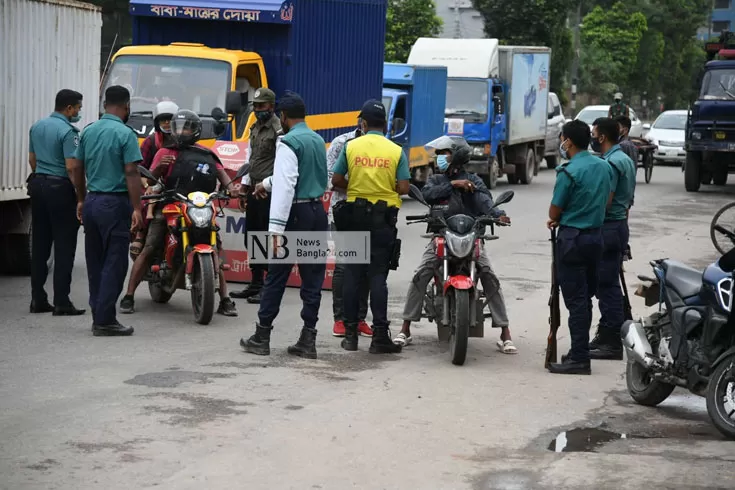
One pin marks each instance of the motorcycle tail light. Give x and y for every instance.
(439, 244)
(155, 269)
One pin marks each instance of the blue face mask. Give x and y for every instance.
(442, 162)
(77, 118)
(563, 152)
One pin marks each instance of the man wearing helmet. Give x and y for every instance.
(464, 193)
(179, 168)
(618, 108)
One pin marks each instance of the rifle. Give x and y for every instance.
(554, 313)
(627, 310)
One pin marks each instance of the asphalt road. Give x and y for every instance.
(180, 406)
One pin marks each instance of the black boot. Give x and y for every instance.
(260, 342)
(606, 345)
(306, 345)
(250, 291)
(382, 343)
(350, 341)
(570, 366)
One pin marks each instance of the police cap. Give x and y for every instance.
(373, 111)
(264, 96)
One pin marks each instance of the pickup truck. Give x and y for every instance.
(497, 99)
(206, 56)
(414, 98)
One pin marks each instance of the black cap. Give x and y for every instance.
(373, 111)
(292, 104)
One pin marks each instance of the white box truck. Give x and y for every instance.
(45, 46)
(497, 99)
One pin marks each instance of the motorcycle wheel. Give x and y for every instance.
(460, 304)
(721, 397)
(720, 230)
(203, 289)
(158, 294)
(643, 388)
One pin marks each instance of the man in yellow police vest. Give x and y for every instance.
(379, 175)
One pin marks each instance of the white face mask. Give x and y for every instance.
(563, 151)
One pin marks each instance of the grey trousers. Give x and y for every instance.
(426, 271)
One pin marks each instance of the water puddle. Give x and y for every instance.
(585, 440)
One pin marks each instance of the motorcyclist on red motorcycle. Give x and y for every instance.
(464, 193)
(180, 167)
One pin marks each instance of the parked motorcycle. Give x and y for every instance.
(689, 342)
(189, 258)
(452, 298)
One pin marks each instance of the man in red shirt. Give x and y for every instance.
(171, 166)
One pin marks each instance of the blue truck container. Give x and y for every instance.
(710, 129)
(414, 97)
(308, 46)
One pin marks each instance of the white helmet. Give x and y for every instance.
(164, 110)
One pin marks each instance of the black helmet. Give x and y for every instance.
(186, 128)
(457, 145)
(164, 110)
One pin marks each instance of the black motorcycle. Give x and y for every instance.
(689, 342)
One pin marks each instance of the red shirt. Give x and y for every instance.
(175, 153)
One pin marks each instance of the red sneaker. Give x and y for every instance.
(339, 329)
(364, 329)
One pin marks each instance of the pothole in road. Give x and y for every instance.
(586, 440)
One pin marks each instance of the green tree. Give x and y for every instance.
(610, 37)
(408, 20)
(534, 23)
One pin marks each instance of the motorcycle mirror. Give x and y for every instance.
(503, 198)
(415, 193)
(218, 114)
(146, 173)
(244, 169)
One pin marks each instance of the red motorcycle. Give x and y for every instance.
(189, 258)
(453, 299)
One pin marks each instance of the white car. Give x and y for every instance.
(668, 133)
(592, 112)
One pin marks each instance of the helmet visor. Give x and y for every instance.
(439, 144)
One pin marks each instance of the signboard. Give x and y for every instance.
(455, 127)
(529, 96)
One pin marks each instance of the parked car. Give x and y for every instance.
(553, 131)
(668, 133)
(590, 113)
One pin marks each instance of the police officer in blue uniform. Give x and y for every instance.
(581, 195)
(53, 141)
(107, 157)
(615, 233)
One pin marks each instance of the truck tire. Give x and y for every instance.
(552, 161)
(527, 172)
(719, 175)
(512, 179)
(692, 170)
(491, 179)
(18, 259)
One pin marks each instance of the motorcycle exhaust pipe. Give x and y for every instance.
(636, 343)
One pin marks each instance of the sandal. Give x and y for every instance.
(506, 347)
(402, 340)
(137, 247)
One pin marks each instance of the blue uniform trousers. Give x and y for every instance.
(615, 235)
(578, 259)
(305, 216)
(107, 220)
(54, 222)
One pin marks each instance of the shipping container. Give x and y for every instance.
(328, 51)
(45, 46)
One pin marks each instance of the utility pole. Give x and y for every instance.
(457, 21)
(575, 60)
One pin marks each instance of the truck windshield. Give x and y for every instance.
(671, 121)
(467, 99)
(198, 85)
(387, 102)
(718, 85)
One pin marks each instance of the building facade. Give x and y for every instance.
(722, 18)
(461, 21)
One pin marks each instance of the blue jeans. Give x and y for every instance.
(615, 235)
(578, 255)
(306, 216)
(106, 240)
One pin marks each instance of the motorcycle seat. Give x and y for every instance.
(685, 280)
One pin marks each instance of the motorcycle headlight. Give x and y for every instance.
(201, 217)
(696, 135)
(460, 246)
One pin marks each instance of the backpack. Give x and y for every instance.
(195, 170)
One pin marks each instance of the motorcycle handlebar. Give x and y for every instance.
(174, 195)
(414, 218)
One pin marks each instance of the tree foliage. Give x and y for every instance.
(534, 23)
(408, 20)
(611, 41)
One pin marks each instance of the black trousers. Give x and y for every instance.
(256, 219)
(54, 222)
(382, 242)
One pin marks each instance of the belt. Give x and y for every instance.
(313, 199)
(52, 177)
(119, 193)
(581, 231)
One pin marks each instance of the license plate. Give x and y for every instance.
(719, 135)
